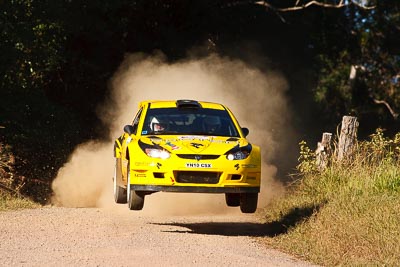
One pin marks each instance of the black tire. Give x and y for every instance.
(135, 198)
(119, 192)
(232, 199)
(248, 202)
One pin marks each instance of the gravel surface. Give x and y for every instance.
(56, 236)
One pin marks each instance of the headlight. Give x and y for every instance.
(154, 151)
(157, 153)
(239, 153)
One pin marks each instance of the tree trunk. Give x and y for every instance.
(324, 151)
(348, 137)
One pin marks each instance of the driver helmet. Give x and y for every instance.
(211, 124)
(157, 125)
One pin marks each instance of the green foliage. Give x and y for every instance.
(73, 59)
(379, 45)
(333, 91)
(31, 44)
(369, 42)
(307, 160)
(354, 218)
(40, 136)
(380, 148)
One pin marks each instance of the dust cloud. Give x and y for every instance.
(257, 98)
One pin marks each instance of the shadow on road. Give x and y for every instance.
(270, 229)
(226, 228)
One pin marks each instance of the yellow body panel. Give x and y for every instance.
(171, 104)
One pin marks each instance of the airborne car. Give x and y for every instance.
(186, 146)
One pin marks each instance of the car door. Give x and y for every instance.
(126, 139)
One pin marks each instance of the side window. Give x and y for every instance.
(135, 122)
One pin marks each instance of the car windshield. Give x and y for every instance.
(200, 121)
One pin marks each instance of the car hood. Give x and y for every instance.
(190, 144)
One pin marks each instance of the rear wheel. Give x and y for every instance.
(232, 199)
(119, 192)
(248, 202)
(135, 198)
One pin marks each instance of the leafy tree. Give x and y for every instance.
(359, 74)
(31, 44)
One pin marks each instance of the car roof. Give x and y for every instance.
(175, 103)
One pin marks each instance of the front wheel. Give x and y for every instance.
(232, 199)
(135, 199)
(119, 192)
(248, 202)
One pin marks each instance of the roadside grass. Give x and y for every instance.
(11, 202)
(348, 214)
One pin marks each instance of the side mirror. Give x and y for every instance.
(128, 129)
(245, 131)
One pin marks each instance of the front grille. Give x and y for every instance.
(197, 156)
(158, 175)
(236, 177)
(198, 177)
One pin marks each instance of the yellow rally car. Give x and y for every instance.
(186, 146)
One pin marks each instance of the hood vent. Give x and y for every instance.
(185, 103)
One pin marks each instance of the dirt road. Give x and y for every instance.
(115, 236)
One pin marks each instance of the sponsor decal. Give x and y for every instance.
(144, 132)
(194, 137)
(224, 142)
(140, 175)
(202, 138)
(171, 140)
(142, 163)
(196, 145)
(155, 139)
(128, 140)
(173, 147)
(198, 165)
(249, 166)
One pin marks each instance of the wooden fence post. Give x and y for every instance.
(348, 137)
(324, 151)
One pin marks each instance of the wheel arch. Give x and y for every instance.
(117, 147)
(127, 154)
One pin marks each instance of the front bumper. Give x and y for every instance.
(195, 189)
(210, 176)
